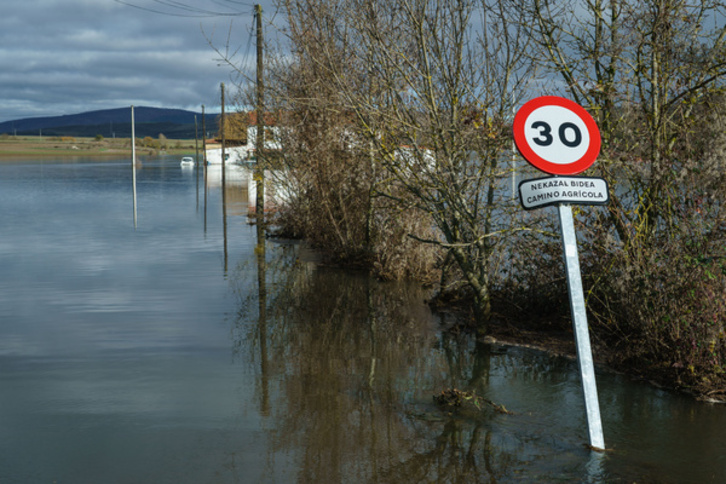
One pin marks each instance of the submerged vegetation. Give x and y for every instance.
(398, 159)
(398, 155)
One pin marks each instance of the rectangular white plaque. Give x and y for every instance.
(573, 190)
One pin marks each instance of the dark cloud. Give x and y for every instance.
(68, 56)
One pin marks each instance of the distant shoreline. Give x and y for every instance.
(22, 147)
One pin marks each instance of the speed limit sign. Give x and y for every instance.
(556, 135)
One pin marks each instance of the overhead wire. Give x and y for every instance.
(184, 9)
(228, 8)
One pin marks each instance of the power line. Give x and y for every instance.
(176, 8)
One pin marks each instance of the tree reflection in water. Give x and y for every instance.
(346, 370)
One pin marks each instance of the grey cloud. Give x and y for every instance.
(64, 57)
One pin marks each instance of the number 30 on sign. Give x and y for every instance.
(556, 135)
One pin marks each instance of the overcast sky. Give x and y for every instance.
(69, 56)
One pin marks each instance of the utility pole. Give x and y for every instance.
(204, 163)
(204, 138)
(221, 129)
(260, 219)
(196, 141)
(260, 139)
(224, 185)
(196, 156)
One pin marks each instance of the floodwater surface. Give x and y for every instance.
(168, 348)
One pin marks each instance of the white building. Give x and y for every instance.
(244, 153)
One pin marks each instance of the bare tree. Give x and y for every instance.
(652, 72)
(426, 91)
(642, 67)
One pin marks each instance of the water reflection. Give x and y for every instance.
(137, 356)
(353, 365)
(346, 369)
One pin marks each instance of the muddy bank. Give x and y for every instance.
(561, 342)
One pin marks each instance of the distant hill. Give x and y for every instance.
(172, 123)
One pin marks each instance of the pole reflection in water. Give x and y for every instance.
(596, 469)
(261, 253)
(133, 161)
(196, 184)
(224, 219)
(133, 189)
(206, 185)
(233, 188)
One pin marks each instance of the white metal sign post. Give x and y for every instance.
(559, 137)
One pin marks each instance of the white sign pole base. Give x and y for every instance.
(579, 323)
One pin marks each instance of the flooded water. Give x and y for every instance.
(165, 351)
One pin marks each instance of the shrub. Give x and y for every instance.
(661, 307)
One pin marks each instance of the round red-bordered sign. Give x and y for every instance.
(556, 135)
